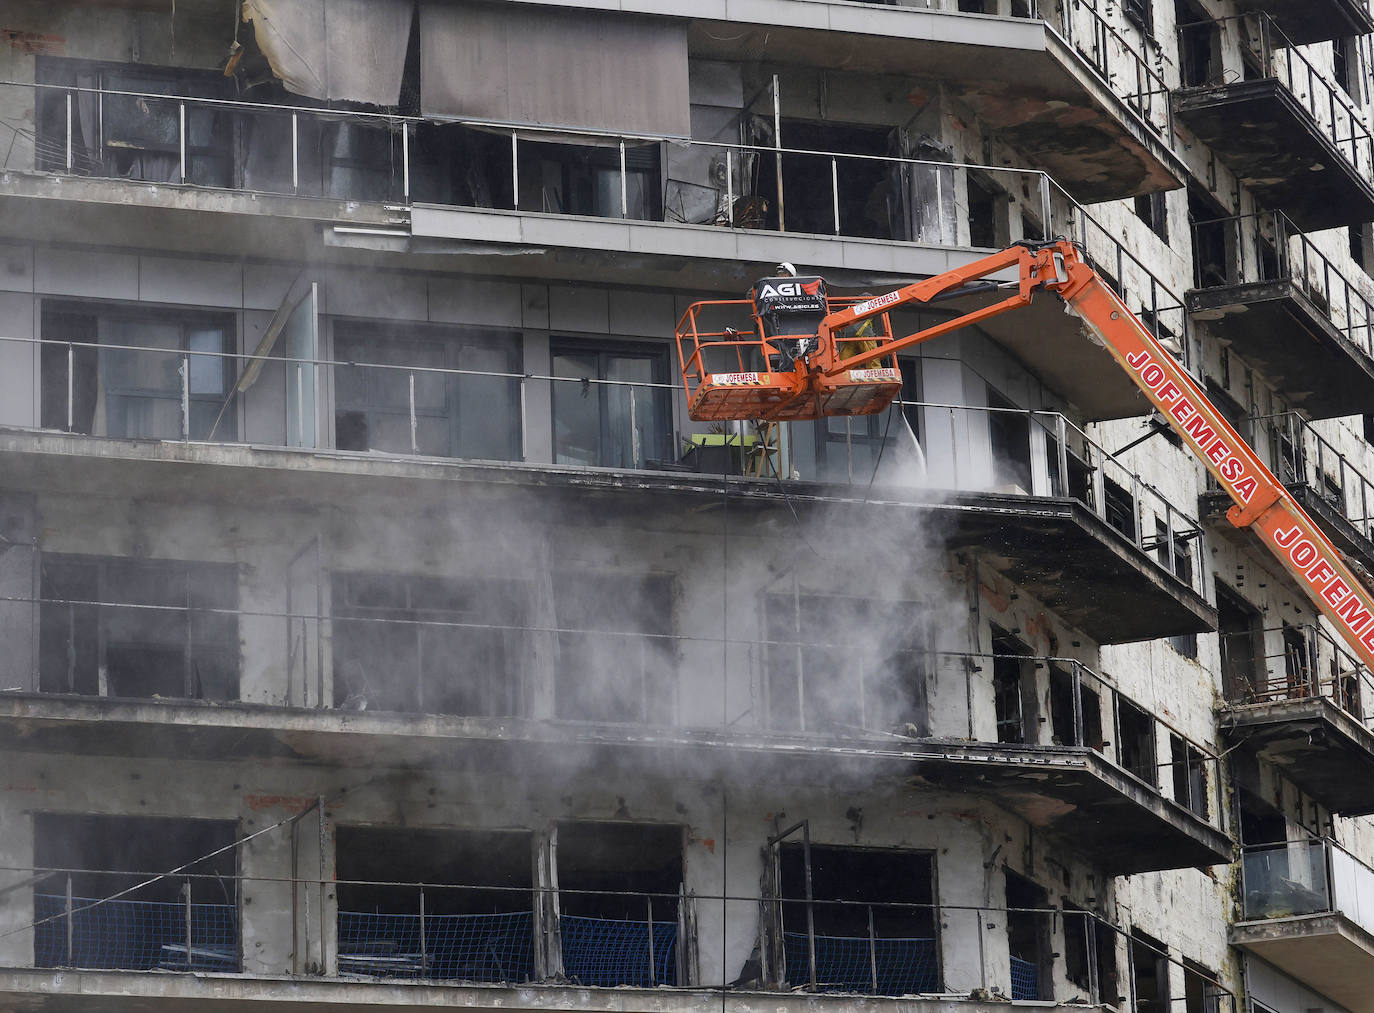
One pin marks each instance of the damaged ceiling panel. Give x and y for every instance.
(351, 50)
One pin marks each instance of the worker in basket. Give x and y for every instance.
(790, 309)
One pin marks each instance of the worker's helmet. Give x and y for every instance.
(785, 270)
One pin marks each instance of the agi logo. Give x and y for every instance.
(790, 288)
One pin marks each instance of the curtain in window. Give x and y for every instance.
(335, 49)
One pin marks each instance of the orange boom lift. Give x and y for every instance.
(845, 365)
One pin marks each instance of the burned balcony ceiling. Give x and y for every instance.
(1263, 133)
(1022, 79)
(1309, 21)
(1070, 794)
(1055, 548)
(1325, 951)
(1277, 327)
(1324, 750)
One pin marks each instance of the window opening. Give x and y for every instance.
(137, 391)
(1028, 939)
(838, 664)
(1009, 431)
(455, 414)
(1079, 472)
(1063, 719)
(1200, 992)
(188, 921)
(620, 887)
(1199, 43)
(983, 209)
(1013, 685)
(610, 425)
(1190, 776)
(1150, 961)
(1237, 626)
(453, 904)
(1119, 508)
(1136, 736)
(1299, 662)
(873, 915)
(1260, 822)
(573, 179)
(429, 644)
(869, 188)
(1213, 241)
(1153, 210)
(147, 628)
(1184, 643)
(616, 658)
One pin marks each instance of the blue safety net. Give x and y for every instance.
(135, 935)
(608, 951)
(1025, 979)
(846, 964)
(470, 947)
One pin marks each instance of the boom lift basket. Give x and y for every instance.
(734, 368)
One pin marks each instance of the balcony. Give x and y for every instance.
(1309, 21)
(727, 214)
(1306, 704)
(1295, 139)
(1288, 310)
(1306, 910)
(429, 940)
(1336, 495)
(1069, 90)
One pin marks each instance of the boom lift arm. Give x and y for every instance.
(1260, 501)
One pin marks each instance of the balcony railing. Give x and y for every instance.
(1310, 663)
(1302, 456)
(1271, 54)
(377, 158)
(875, 682)
(1266, 247)
(1117, 61)
(429, 933)
(1013, 451)
(1307, 878)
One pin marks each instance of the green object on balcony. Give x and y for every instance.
(721, 440)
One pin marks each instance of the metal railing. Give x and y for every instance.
(711, 183)
(1307, 661)
(1332, 110)
(1306, 878)
(1019, 451)
(1266, 246)
(1122, 68)
(1302, 456)
(875, 682)
(1054, 457)
(308, 928)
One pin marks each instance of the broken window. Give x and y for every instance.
(146, 380)
(1201, 993)
(1028, 939)
(1150, 961)
(1214, 240)
(1009, 432)
(1119, 508)
(614, 417)
(1075, 708)
(617, 659)
(1299, 662)
(1190, 776)
(1153, 210)
(135, 136)
(984, 212)
(1013, 688)
(840, 664)
(407, 403)
(1237, 635)
(1199, 43)
(109, 907)
(871, 924)
(620, 901)
(138, 628)
(1077, 472)
(1136, 735)
(429, 644)
(1182, 564)
(868, 197)
(454, 904)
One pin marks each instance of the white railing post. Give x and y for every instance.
(405, 160)
(624, 184)
(835, 191)
(70, 154)
(181, 137)
(295, 153)
(514, 171)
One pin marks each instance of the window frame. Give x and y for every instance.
(662, 408)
